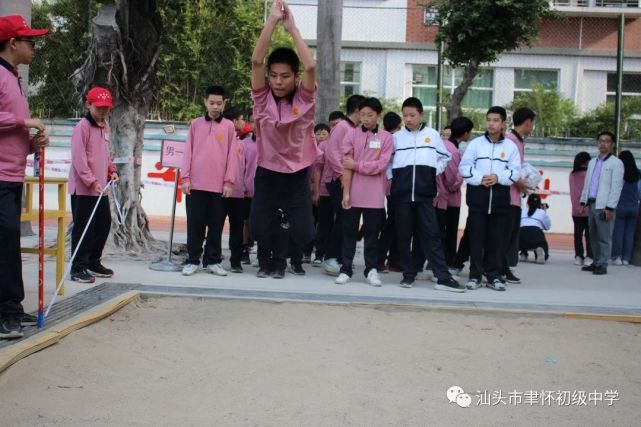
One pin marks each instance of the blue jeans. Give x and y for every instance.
(623, 237)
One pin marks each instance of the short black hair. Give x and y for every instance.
(608, 133)
(391, 121)
(322, 126)
(460, 126)
(521, 115)
(232, 113)
(334, 115)
(372, 103)
(413, 102)
(284, 55)
(214, 90)
(497, 110)
(448, 127)
(353, 103)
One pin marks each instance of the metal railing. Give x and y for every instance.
(596, 3)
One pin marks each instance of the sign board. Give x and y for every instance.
(171, 154)
(430, 16)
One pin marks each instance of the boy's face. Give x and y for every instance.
(369, 118)
(494, 123)
(605, 144)
(215, 104)
(25, 49)
(321, 135)
(239, 123)
(282, 79)
(412, 118)
(446, 133)
(99, 114)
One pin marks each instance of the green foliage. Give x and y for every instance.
(480, 30)
(59, 54)
(554, 113)
(602, 118)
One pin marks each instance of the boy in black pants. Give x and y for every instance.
(419, 156)
(490, 165)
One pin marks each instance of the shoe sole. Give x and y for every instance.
(11, 335)
(495, 289)
(375, 284)
(237, 271)
(406, 285)
(83, 280)
(104, 276)
(474, 286)
(218, 274)
(514, 282)
(189, 273)
(448, 288)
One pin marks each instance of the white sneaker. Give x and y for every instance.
(342, 279)
(373, 279)
(578, 260)
(331, 266)
(540, 255)
(255, 262)
(473, 284)
(625, 262)
(217, 269)
(190, 269)
(454, 271)
(588, 261)
(523, 257)
(617, 261)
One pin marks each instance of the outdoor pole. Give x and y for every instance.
(41, 237)
(617, 104)
(439, 85)
(173, 216)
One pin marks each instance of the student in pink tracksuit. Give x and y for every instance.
(580, 213)
(235, 205)
(284, 108)
(91, 170)
(251, 157)
(448, 199)
(209, 174)
(368, 151)
(17, 46)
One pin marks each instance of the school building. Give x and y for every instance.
(388, 51)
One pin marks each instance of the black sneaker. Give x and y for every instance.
(407, 282)
(449, 285)
(278, 274)
(99, 270)
(600, 271)
(590, 267)
(307, 259)
(28, 320)
(511, 278)
(262, 273)
(82, 276)
(244, 259)
(10, 327)
(237, 268)
(296, 269)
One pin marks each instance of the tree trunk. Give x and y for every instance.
(454, 106)
(636, 251)
(122, 56)
(328, 36)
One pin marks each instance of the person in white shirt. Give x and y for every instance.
(534, 220)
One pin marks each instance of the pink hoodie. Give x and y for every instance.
(333, 157)
(285, 130)
(208, 163)
(251, 157)
(577, 180)
(515, 194)
(90, 160)
(371, 151)
(14, 137)
(449, 183)
(238, 189)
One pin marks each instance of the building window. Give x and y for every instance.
(350, 78)
(631, 86)
(479, 95)
(524, 80)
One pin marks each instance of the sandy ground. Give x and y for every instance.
(179, 361)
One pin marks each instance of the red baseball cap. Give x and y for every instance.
(100, 97)
(14, 26)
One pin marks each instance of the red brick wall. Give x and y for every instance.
(598, 33)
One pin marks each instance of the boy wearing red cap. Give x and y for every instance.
(91, 169)
(17, 46)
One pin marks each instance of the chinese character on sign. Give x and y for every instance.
(610, 396)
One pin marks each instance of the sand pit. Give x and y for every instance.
(180, 361)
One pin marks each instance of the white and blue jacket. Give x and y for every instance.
(484, 157)
(417, 159)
